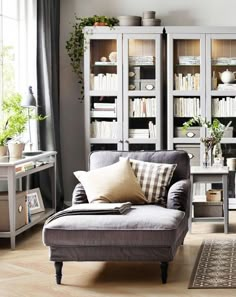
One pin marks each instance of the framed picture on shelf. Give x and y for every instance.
(35, 201)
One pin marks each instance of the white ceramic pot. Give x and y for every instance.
(3, 150)
(15, 150)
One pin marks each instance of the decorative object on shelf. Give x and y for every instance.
(129, 20)
(149, 19)
(216, 130)
(231, 163)
(75, 44)
(103, 59)
(113, 56)
(227, 76)
(16, 120)
(35, 201)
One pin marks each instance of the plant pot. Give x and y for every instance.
(15, 150)
(3, 150)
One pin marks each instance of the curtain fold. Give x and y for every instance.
(48, 24)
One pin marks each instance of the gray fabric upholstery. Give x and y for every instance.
(141, 226)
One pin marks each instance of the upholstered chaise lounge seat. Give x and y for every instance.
(145, 233)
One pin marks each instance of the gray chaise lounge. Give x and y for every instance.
(147, 233)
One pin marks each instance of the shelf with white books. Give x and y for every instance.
(185, 93)
(141, 93)
(103, 93)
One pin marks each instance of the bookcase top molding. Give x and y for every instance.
(201, 29)
(123, 29)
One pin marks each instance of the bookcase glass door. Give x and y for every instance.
(223, 87)
(186, 90)
(141, 92)
(103, 56)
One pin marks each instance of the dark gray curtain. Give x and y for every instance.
(48, 23)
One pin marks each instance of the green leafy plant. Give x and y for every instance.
(76, 46)
(16, 118)
(216, 130)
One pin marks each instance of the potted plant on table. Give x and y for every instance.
(76, 46)
(216, 131)
(16, 118)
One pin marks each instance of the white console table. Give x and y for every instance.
(211, 175)
(8, 173)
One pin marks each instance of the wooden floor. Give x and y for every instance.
(27, 272)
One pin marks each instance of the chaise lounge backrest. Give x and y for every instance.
(104, 158)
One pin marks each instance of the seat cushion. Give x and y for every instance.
(143, 225)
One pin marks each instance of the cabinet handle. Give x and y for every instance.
(190, 134)
(126, 141)
(120, 141)
(191, 156)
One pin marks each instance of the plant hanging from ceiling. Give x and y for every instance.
(76, 46)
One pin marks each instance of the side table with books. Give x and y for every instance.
(23, 209)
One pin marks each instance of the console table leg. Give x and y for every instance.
(58, 268)
(164, 271)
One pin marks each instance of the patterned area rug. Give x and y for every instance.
(215, 265)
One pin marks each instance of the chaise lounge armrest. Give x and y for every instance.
(79, 195)
(178, 195)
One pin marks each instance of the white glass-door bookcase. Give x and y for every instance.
(122, 78)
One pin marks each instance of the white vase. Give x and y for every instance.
(15, 150)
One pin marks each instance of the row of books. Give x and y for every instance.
(186, 107)
(187, 82)
(144, 133)
(224, 107)
(142, 107)
(106, 110)
(103, 129)
(104, 82)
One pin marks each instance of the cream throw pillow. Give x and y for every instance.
(113, 183)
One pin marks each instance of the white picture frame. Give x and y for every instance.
(35, 201)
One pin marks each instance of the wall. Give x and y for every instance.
(171, 12)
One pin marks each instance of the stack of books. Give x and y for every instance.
(104, 110)
(226, 87)
(25, 166)
(141, 60)
(139, 133)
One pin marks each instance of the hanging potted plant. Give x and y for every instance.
(17, 118)
(75, 45)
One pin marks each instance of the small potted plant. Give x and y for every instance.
(17, 118)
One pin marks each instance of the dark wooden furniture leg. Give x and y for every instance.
(164, 270)
(58, 267)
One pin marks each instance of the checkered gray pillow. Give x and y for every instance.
(154, 179)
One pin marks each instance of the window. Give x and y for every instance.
(17, 46)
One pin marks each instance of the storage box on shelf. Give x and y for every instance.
(21, 211)
(208, 209)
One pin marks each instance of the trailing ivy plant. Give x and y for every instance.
(76, 46)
